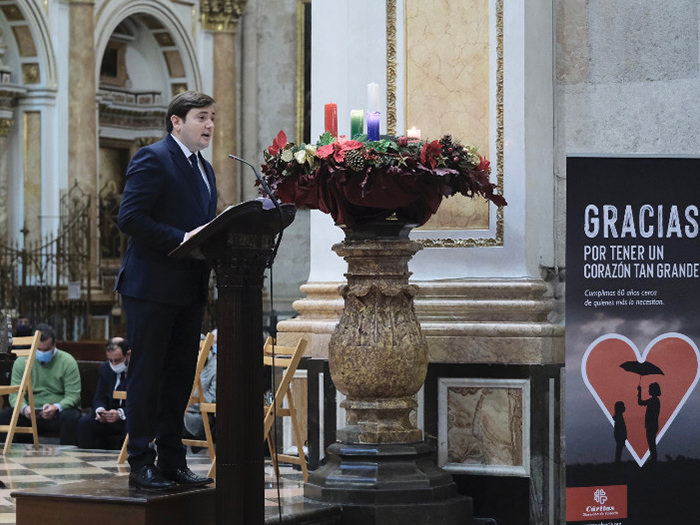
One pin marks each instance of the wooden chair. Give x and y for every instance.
(286, 358)
(22, 347)
(205, 408)
(195, 397)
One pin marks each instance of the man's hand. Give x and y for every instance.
(192, 232)
(109, 416)
(48, 411)
(27, 411)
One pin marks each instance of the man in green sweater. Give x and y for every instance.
(56, 385)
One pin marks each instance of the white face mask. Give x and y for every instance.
(118, 369)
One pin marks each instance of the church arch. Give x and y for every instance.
(165, 27)
(31, 53)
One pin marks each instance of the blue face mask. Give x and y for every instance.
(44, 357)
(213, 349)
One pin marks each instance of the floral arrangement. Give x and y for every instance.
(357, 181)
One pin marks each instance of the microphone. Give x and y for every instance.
(274, 200)
(259, 177)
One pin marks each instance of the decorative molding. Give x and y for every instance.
(221, 16)
(31, 73)
(498, 239)
(5, 125)
(391, 67)
(301, 65)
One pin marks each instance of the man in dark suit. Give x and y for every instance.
(107, 417)
(170, 193)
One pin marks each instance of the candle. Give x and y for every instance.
(331, 110)
(373, 125)
(413, 133)
(372, 97)
(357, 122)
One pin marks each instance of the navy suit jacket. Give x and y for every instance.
(159, 205)
(106, 381)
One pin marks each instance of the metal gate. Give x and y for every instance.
(48, 280)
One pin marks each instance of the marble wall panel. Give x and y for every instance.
(448, 87)
(484, 425)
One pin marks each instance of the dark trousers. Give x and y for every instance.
(164, 345)
(64, 424)
(93, 434)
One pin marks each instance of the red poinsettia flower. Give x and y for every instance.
(430, 153)
(484, 164)
(278, 143)
(338, 149)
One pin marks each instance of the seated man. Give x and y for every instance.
(194, 427)
(56, 386)
(107, 417)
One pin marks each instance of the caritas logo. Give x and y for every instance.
(591, 503)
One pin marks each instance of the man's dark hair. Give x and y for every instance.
(183, 102)
(47, 332)
(118, 342)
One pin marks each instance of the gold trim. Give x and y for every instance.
(301, 86)
(391, 67)
(498, 240)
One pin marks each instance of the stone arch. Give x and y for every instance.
(168, 30)
(36, 58)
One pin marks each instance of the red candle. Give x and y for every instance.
(332, 118)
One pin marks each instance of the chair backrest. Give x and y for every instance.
(26, 347)
(286, 358)
(196, 395)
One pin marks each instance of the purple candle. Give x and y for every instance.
(373, 120)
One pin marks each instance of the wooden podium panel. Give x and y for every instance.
(111, 502)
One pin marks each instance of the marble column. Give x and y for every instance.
(222, 18)
(82, 108)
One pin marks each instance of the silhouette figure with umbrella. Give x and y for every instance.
(653, 404)
(645, 368)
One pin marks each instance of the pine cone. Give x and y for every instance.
(355, 160)
(446, 140)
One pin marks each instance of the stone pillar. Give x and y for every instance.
(222, 18)
(6, 122)
(5, 125)
(82, 108)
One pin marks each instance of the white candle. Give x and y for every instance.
(413, 133)
(372, 97)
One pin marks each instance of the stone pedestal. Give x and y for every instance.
(381, 472)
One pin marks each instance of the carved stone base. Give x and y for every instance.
(391, 483)
(379, 421)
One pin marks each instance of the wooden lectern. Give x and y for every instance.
(238, 244)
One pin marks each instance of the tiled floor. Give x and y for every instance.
(26, 468)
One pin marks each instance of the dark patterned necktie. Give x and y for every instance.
(203, 190)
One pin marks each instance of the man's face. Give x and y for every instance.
(196, 129)
(45, 345)
(116, 357)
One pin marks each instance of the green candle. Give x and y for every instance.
(356, 122)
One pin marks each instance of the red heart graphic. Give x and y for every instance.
(677, 357)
